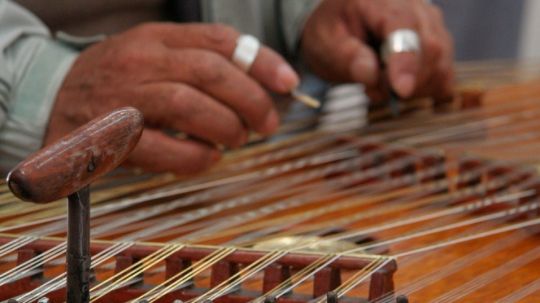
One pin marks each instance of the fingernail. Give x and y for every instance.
(364, 70)
(272, 122)
(405, 85)
(287, 79)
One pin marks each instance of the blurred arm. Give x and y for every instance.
(32, 68)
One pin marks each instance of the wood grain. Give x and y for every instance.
(78, 158)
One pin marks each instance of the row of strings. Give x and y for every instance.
(308, 184)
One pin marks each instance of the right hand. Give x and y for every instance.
(337, 44)
(181, 78)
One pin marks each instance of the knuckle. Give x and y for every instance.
(235, 133)
(433, 47)
(183, 110)
(209, 69)
(219, 33)
(257, 109)
(147, 29)
(128, 59)
(393, 11)
(397, 18)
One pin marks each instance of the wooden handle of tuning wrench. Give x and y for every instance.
(77, 159)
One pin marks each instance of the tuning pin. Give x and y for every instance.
(270, 299)
(331, 297)
(43, 300)
(402, 299)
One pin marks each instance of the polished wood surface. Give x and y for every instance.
(77, 159)
(451, 197)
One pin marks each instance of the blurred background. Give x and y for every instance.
(482, 29)
(489, 29)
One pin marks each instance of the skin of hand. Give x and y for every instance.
(182, 79)
(340, 37)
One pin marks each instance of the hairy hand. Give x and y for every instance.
(339, 38)
(181, 78)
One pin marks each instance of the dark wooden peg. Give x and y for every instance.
(78, 158)
(332, 297)
(402, 299)
(270, 299)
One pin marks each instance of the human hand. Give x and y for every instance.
(182, 79)
(339, 38)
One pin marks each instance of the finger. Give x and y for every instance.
(436, 45)
(349, 60)
(403, 68)
(440, 84)
(272, 72)
(320, 47)
(428, 37)
(444, 73)
(365, 65)
(157, 152)
(436, 74)
(443, 83)
(183, 108)
(269, 68)
(220, 79)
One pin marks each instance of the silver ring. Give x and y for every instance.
(245, 53)
(401, 41)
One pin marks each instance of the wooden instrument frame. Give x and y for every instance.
(326, 280)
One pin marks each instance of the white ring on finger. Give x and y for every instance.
(401, 41)
(246, 51)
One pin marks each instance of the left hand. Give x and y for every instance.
(337, 44)
(181, 77)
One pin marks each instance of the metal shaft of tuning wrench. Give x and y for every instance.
(78, 247)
